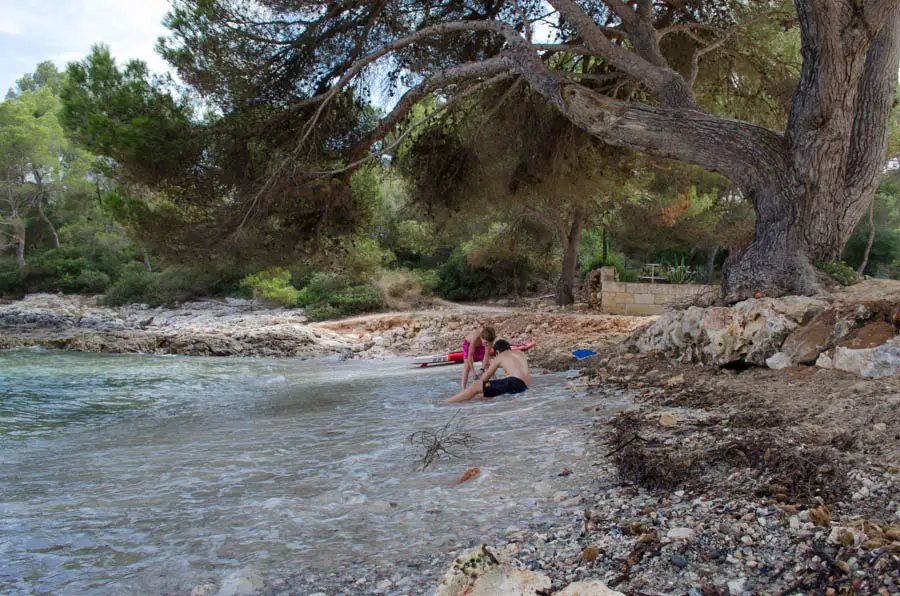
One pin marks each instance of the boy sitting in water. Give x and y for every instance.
(477, 346)
(517, 379)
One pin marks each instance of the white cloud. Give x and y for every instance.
(61, 30)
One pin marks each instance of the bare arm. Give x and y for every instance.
(492, 370)
(485, 365)
(469, 365)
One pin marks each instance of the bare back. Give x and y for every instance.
(514, 364)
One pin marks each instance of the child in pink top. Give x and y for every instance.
(477, 347)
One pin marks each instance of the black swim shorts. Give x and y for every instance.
(505, 385)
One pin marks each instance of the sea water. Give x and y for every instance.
(148, 474)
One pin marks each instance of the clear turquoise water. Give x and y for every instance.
(126, 474)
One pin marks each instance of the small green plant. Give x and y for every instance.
(273, 286)
(840, 272)
(357, 299)
(679, 273)
(12, 284)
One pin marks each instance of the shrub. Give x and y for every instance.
(92, 281)
(399, 289)
(679, 273)
(135, 285)
(330, 295)
(429, 281)
(12, 284)
(180, 283)
(840, 272)
(321, 287)
(459, 279)
(321, 312)
(273, 286)
(357, 299)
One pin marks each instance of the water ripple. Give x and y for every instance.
(125, 473)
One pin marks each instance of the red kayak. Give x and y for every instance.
(458, 356)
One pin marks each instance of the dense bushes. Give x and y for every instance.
(63, 270)
(329, 295)
(352, 300)
(325, 296)
(134, 285)
(273, 286)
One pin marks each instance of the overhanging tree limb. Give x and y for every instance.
(646, 65)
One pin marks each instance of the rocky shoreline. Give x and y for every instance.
(247, 329)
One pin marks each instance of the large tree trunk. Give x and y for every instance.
(565, 289)
(809, 186)
(837, 141)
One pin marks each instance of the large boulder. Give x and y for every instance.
(485, 572)
(804, 345)
(750, 331)
(874, 363)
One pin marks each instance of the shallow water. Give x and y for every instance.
(123, 474)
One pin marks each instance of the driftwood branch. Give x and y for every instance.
(431, 444)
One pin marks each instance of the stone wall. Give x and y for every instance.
(622, 298)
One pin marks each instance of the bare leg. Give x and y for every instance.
(465, 395)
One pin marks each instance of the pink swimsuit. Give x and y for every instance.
(478, 356)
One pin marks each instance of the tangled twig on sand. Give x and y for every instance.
(442, 440)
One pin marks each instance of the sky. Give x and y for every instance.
(32, 31)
